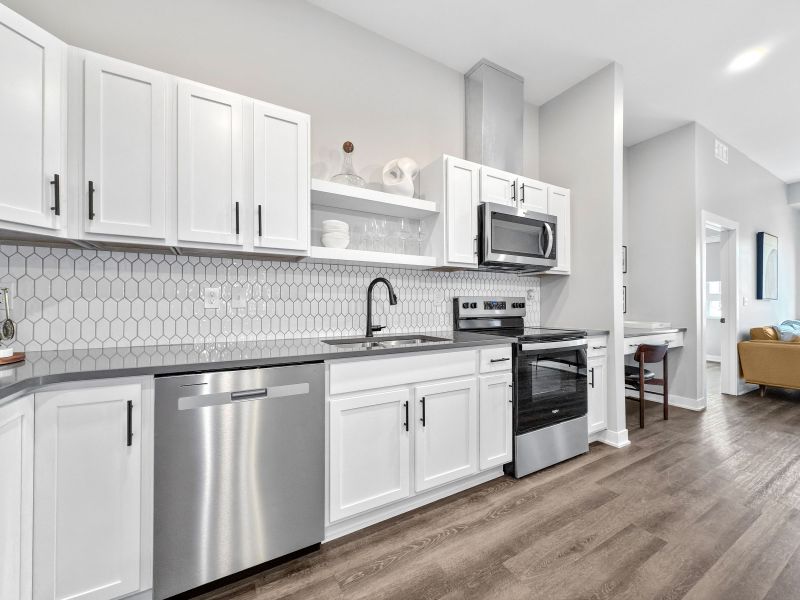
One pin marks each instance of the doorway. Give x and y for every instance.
(718, 360)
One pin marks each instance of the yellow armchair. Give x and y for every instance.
(768, 362)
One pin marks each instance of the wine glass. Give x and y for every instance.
(404, 234)
(420, 236)
(382, 231)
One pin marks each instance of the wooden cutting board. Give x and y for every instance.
(14, 358)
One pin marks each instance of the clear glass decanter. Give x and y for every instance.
(348, 176)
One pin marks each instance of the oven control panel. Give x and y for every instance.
(481, 306)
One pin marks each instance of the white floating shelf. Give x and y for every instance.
(338, 195)
(367, 257)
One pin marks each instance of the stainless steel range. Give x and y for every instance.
(550, 387)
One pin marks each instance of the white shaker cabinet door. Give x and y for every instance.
(369, 451)
(88, 482)
(125, 151)
(462, 190)
(31, 70)
(532, 195)
(597, 397)
(16, 498)
(210, 207)
(446, 435)
(558, 204)
(498, 186)
(494, 423)
(281, 183)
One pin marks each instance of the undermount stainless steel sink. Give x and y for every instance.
(389, 341)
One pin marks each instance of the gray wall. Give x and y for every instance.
(660, 212)
(673, 178)
(580, 136)
(356, 85)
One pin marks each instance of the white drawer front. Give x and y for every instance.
(385, 371)
(495, 359)
(597, 346)
(675, 340)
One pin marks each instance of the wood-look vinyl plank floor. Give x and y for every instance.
(703, 506)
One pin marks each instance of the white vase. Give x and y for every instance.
(398, 176)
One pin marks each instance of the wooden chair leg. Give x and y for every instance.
(641, 395)
(666, 387)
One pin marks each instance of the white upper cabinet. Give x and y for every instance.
(16, 498)
(88, 489)
(210, 199)
(446, 436)
(495, 415)
(498, 186)
(370, 457)
(125, 150)
(462, 191)
(32, 183)
(532, 195)
(558, 204)
(281, 179)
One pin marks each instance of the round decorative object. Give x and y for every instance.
(398, 176)
(348, 147)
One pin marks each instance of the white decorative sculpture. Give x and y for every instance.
(398, 176)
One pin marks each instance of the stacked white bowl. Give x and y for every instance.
(335, 234)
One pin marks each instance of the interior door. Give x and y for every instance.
(125, 148)
(16, 498)
(494, 424)
(209, 165)
(281, 182)
(88, 484)
(30, 123)
(462, 211)
(370, 455)
(446, 435)
(498, 186)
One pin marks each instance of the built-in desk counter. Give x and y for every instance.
(634, 337)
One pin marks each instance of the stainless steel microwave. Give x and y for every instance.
(512, 239)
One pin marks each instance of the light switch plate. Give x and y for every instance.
(238, 299)
(212, 297)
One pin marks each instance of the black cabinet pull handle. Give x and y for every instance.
(237, 218)
(406, 423)
(91, 200)
(56, 183)
(494, 360)
(592, 371)
(259, 221)
(514, 190)
(130, 423)
(522, 193)
(423, 411)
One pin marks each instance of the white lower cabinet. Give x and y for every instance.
(495, 414)
(16, 498)
(93, 491)
(446, 437)
(597, 367)
(370, 455)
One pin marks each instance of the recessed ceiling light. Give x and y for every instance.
(747, 59)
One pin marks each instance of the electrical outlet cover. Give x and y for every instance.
(212, 297)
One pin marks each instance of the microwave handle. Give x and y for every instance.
(549, 248)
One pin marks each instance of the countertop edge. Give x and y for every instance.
(32, 384)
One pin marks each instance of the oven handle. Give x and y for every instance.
(549, 231)
(554, 345)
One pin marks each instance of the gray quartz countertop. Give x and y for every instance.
(638, 332)
(44, 368)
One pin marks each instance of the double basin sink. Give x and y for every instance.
(389, 341)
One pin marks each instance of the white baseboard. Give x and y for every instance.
(713, 358)
(336, 530)
(618, 439)
(675, 400)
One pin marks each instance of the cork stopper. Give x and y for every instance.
(348, 147)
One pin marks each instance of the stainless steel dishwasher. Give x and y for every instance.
(239, 471)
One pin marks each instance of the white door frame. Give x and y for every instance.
(729, 271)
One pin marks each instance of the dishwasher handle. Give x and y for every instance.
(241, 396)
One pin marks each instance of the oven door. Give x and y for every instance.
(515, 240)
(549, 384)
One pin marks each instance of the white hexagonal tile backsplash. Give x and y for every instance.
(91, 299)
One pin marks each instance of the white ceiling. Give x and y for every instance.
(674, 56)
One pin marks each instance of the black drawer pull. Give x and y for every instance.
(423, 411)
(130, 423)
(237, 218)
(406, 407)
(592, 372)
(259, 221)
(56, 183)
(494, 360)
